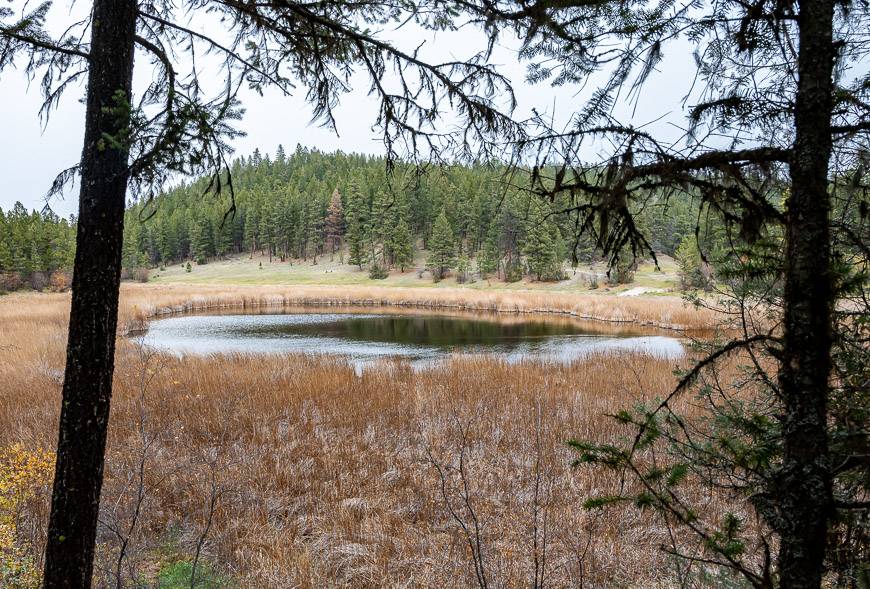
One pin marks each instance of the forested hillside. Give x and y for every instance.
(36, 248)
(466, 220)
(309, 204)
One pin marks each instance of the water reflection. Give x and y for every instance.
(364, 337)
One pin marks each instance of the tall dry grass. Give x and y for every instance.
(298, 472)
(665, 312)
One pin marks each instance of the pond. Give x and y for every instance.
(364, 336)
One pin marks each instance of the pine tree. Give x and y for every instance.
(252, 230)
(488, 262)
(202, 240)
(357, 227)
(463, 269)
(335, 224)
(266, 229)
(380, 227)
(130, 249)
(693, 272)
(223, 236)
(5, 246)
(401, 245)
(166, 243)
(442, 256)
(541, 246)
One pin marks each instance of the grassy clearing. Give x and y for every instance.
(295, 471)
(259, 271)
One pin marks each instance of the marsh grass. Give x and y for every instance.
(295, 471)
(140, 302)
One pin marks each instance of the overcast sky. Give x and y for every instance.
(31, 156)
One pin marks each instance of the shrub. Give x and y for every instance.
(24, 476)
(694, 272)
(623, 271)
(10, 281)
(378, 272)
(188, 267)
(553, 273)
(140, 275)
(59, 281)
(38, 280)
(513, 273)
(463, 270)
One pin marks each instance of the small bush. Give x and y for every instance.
(188, 267)
(694, 271)
(38, 281)
(553, 274)
(623, 271)
(513, 273)
(438, 275)
(25, 476)
(378, 272)
(60, 281)
(463, 270)
(10, 281)
(140, 275)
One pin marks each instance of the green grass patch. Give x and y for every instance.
(242, 270)
(177, 575)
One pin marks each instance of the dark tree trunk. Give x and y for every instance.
(87, 386)
(805, 486)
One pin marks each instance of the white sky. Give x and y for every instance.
(30, 157)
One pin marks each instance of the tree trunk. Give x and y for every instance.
(87, 386)
(805, 486)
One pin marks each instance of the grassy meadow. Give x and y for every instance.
(258, 270)
(296, 471)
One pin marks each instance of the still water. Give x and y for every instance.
(364, 337)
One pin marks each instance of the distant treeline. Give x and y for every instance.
(310, 204)
(36, 249)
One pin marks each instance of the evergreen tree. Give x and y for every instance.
(401, 245)
(463, 269)
(488, 262)
(694, 272)
(442, 245)
(357, 227)
(5, 246)
(541, 246)
(252, 230)
(202, 240)
(335, 224)
(223, 236)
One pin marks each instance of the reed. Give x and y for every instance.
(295, 471)
(665, 312)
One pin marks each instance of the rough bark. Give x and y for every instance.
(87, 386)
(805, 486)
